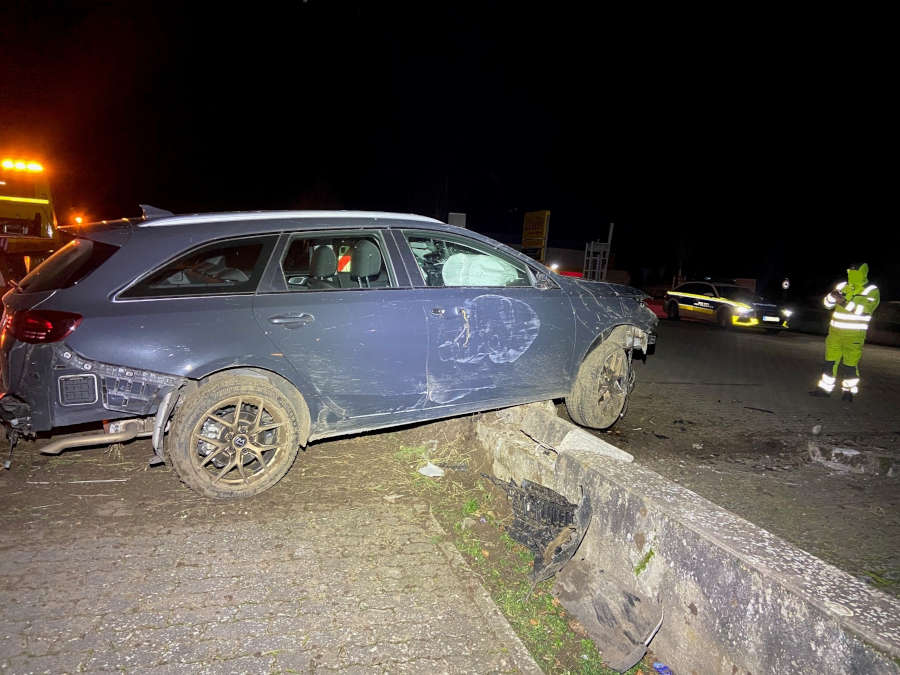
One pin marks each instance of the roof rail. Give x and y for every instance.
(170, 219)
(153, 212)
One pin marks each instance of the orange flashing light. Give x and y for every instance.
(21, 165)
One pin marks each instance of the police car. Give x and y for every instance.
(724, 303)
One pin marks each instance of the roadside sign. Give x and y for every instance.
(534, 233)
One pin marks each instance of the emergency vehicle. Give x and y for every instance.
(28, 227)
(725, 303)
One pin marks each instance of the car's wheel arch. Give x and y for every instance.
(622, 334)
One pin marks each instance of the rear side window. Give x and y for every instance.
(69, 265)
(221, 268)
(337, 261)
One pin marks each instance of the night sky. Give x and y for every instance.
(751, 144)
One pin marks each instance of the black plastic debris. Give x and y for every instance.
(546, 523)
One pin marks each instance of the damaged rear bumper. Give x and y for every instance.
(48, 385)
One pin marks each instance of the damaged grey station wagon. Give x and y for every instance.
(235, 339)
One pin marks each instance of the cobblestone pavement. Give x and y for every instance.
(319, 574)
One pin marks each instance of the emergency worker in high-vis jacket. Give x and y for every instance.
(853, 302)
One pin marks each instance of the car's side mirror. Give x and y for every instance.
(543, 283)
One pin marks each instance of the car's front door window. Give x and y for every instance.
(452, 263)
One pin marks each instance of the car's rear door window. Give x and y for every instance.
(68, 266)
(453, 262)
(220, 268)
(336, 261)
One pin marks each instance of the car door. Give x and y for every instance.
(695, 301)
(338, 312)
(706, 302)
(493, 335)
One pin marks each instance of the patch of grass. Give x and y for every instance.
(410, 455)
(881, 579)
(470, 506)
(643, 562)
(508, 542)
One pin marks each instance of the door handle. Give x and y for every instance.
(438, 311)
(292, 320)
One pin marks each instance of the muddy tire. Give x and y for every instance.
(235, 436)
(601, 388)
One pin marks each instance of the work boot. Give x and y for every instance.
(848, 396)
(819, 393)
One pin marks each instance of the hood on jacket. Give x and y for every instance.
(858, 277)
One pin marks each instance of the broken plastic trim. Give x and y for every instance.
(546, 523)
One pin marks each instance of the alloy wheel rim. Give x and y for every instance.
(237, 440)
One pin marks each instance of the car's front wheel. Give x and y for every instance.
(724, 318)
(234, 436)
(601, 387)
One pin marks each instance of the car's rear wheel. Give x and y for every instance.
(234, 436)
(601, 388)
(672, 310)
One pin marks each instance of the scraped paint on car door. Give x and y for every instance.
(492, 335)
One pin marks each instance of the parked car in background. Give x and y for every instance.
(234, 339)
(724, 303)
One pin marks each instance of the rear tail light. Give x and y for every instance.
(39, 325)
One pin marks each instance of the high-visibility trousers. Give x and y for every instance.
(844, 346)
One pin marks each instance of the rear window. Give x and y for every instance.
(221, 268)
(68, 266)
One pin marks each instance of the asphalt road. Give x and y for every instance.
(701, 365)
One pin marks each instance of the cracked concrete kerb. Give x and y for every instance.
(735, 597)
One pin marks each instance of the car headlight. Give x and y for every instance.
(786, 313)
(743, 311)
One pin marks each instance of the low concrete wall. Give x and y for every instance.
(735, 598)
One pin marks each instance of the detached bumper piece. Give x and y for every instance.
(547, 523)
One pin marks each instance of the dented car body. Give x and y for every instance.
(330, 322)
